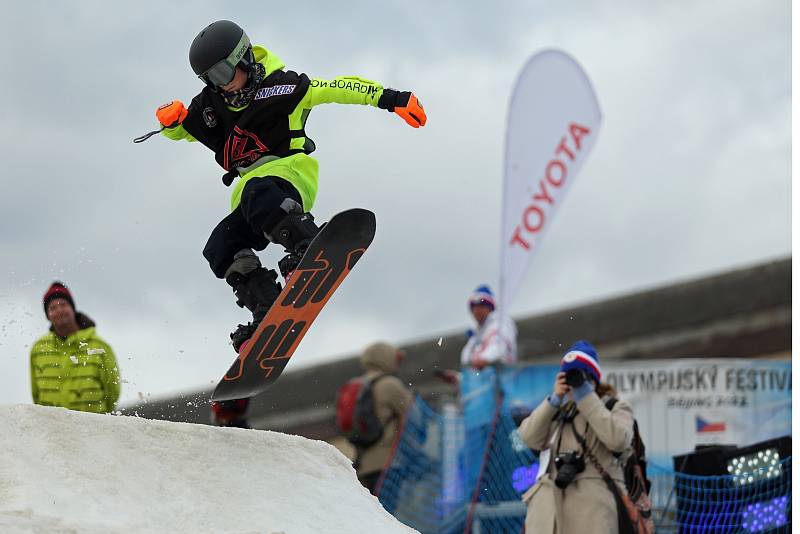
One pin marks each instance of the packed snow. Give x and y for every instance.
(65, 471)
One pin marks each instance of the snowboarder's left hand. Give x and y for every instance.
(405, 104)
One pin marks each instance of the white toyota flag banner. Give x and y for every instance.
(553, 121)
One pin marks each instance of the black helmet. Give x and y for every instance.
(217, 50)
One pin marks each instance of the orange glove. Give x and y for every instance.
(172, 114)
(405, 104)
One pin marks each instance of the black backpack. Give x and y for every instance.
(633, 481)
(355, 412)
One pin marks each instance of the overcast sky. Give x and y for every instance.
(690, 175)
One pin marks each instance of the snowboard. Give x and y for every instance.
(329, 258)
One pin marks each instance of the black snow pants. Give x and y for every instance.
(257, 212)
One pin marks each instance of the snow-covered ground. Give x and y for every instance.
(63, 471)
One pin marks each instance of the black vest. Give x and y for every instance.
(240, 138)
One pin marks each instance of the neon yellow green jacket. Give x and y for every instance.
(79, 372)
(301, 170)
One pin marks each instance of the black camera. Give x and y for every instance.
(568, 465)
(575, 377)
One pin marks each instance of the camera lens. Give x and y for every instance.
(575, 378)
(565, 475)
(568, 466)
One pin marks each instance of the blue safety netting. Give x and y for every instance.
(756, 501)
(421, 487)
(510, 469)
(460, 470)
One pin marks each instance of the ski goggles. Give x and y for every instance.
(481, 302)
(222, 72)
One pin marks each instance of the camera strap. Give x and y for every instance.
(624, 524)
(560, 432)
(567, 412)
(581, 439)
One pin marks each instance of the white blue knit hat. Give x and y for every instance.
(482, 295)
(582, 355)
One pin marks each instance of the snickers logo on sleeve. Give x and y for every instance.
(277, 90)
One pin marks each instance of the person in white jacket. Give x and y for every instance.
(493, 342)
(495, 338)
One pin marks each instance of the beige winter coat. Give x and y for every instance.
(392, 399)
(586, 505)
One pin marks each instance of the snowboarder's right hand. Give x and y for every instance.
(172, 114)
(405, 104)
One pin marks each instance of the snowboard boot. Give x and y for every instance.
(294, 231)
(257, 291)
(242, 335)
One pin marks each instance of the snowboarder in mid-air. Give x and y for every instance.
(252, 114)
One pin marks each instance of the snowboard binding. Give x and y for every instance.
(294, 232)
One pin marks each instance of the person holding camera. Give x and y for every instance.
(582, 444)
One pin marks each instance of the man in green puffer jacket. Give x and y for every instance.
(71, 366)
(252, 114)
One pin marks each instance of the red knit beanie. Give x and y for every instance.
(58, 291)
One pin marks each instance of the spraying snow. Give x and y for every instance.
(65, 471)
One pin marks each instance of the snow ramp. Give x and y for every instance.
(65, 471)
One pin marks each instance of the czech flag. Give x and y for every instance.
(704, 426)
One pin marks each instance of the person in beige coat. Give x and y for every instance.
(381, 362)
(585, 504)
